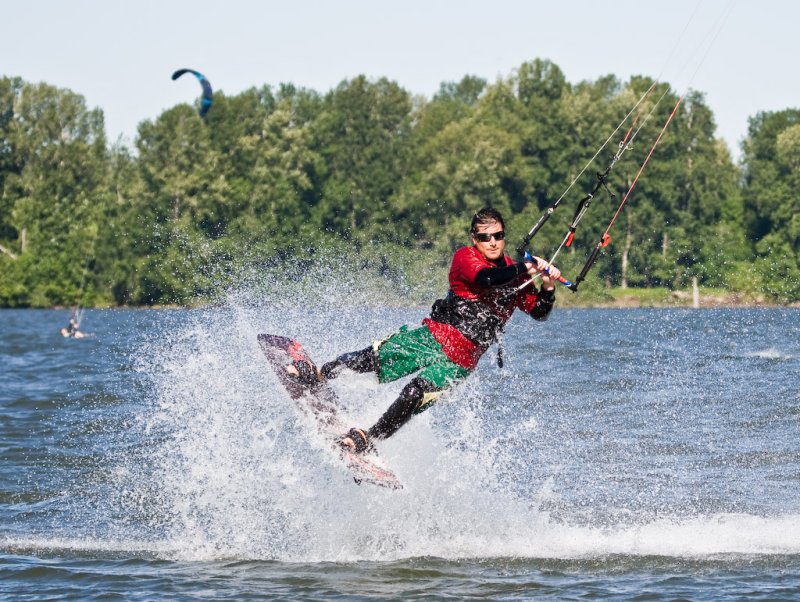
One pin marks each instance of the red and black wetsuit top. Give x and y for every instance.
(480, 302)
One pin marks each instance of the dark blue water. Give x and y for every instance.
(631, 454)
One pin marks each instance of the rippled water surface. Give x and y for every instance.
(633, 454)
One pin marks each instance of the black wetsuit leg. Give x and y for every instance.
(358, 361)
(410, 400)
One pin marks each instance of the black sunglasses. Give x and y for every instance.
(487, 236)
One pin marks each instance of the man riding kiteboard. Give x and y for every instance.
(461, 327)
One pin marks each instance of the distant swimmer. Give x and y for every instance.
(71, 331)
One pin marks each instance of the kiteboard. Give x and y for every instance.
(321, 403)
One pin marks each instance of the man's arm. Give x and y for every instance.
(545, 299)
(498, 276)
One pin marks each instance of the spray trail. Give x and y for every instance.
(236, 472)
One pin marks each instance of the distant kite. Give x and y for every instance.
(205, 104)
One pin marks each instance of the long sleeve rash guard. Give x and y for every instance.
(480, 301)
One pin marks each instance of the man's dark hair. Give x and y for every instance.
(485, 216)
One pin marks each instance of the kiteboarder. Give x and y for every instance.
(459, 330)
(72, 329)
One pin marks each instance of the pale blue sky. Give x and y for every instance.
(119, 55)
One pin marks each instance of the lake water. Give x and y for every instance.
(633, 454)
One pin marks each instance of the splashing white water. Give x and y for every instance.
(242, 474)
(770, 354)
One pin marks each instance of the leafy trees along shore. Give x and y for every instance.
(273, 177)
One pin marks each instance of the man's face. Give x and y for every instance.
(492, 249)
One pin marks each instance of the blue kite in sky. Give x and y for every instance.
(205, 103)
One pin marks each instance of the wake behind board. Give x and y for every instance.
(320, 402)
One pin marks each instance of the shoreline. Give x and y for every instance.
(609, 298)
(667, 299)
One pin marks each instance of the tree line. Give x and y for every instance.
(369, 174)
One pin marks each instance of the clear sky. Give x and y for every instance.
(120, 54)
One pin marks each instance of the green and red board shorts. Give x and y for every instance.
(409, 351)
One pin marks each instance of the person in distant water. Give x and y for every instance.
(461, 327)
(71, 331)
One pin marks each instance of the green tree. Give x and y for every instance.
(273, 174)
(685, 207)
(284, 178)
(466, 163)
(362, 136)
(54, 177)
(182, 205)
(772, 175)
(121, 251)
(454, 101)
